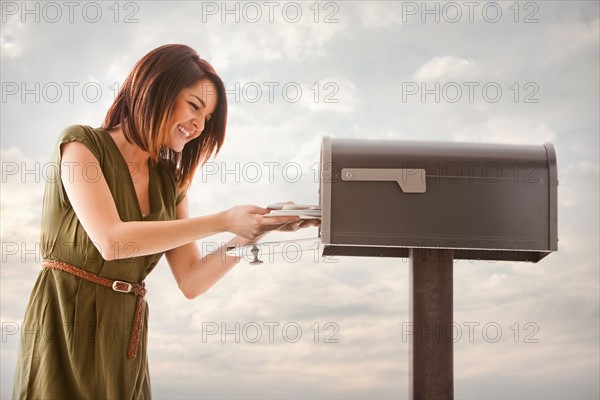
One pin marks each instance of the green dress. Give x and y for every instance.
(75, 332)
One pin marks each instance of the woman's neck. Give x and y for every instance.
(131, 152)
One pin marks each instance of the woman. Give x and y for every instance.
(117, 205)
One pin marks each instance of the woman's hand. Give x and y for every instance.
(249, 221)
(303, 223)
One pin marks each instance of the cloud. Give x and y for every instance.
(380, 15)
(23, 179)
(13, 35)
(507, 130)
(285, 329)
(331, 94)
(242, 34)
(574, 36)
(448, 68)
(574, 178)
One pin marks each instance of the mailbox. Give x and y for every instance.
(483, 201)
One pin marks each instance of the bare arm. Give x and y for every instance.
(195, 274)
(95, 208)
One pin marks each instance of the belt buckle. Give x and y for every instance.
(116, 288)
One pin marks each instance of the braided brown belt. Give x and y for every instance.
(138, 289)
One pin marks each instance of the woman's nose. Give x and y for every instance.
(198, 125)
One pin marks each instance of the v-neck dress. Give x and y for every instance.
(76, 333)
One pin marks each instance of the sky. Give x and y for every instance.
(300, 326)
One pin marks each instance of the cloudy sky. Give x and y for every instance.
(296, 72)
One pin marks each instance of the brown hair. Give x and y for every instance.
(144, 104)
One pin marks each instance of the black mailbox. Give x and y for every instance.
(483, 201)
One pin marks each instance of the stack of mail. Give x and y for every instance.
(303, 211)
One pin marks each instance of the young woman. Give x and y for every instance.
(118, 203)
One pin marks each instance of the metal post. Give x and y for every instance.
(431, 358)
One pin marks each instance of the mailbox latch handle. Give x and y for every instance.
(411, 180)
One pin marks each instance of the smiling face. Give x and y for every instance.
(193, 107)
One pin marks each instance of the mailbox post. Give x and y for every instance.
(435, 202)
(431, 352)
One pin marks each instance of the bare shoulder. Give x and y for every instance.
(73, 151)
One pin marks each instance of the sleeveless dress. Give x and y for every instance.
(76, 333)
